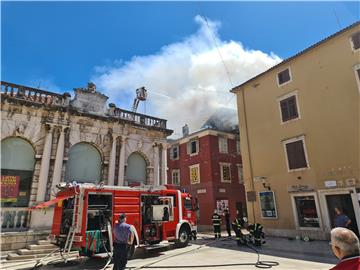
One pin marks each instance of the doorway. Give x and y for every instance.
(241, 209)
(344, 203)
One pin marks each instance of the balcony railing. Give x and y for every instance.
(14, 219)
(139, 118)
(21, 92)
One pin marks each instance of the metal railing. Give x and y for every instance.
(30, 94)
(14, 219)
(139, 118)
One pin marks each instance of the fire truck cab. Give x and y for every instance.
(85, 215)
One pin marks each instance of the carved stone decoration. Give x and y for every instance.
(89, 101)
(20, 129)
(140, 144)
(53, 123)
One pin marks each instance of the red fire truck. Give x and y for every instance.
(85, 213)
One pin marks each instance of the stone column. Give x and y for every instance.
(111, 175)
(45, 164)
(156, 165)
(164, 164)
(59, 159)
(122, 162)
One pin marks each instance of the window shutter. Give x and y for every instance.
(288, 108)
(296, 155)
(284, 110)
(284, 76)
(356, 40)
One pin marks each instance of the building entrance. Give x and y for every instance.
(341, 203)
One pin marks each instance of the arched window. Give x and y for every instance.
(17, 167)
(84, 164)
(136, 169)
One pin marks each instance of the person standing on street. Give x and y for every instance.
(340, 219)
(216, 220)
(345, 246)
(123, 236)
(237, 225)
(227, 222)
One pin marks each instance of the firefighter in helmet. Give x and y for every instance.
(239, 226)
(256, 231)
(216, 220)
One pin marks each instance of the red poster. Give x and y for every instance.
(9, 188)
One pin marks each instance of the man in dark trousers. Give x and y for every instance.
(227, 221)
(237, 225)
(123, 236)
(216, 220)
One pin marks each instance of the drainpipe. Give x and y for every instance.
(249, 152)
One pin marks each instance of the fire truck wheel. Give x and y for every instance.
(184, 237)
(131, 251)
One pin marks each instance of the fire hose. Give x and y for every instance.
(258, 263)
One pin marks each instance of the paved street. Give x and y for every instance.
(290, 254)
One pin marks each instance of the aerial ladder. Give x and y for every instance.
(141, 95)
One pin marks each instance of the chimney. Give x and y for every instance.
(185, 130)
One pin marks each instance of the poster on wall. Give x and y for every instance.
(9, 188)
(267, 204)
(221, 205)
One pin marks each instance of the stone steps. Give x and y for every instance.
(24, 251)
(41, 246)
(33, 251)
(43, 242)
(30, 263)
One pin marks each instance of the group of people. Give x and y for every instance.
(243, 231)
(216, 221)
(344, 242)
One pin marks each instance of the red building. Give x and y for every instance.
(208, 165)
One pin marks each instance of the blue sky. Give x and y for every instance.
(62, 45)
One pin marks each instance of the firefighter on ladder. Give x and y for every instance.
(216, 220)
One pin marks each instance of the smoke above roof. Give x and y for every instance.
(223, 119)
(186, 80)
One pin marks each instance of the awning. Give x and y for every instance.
(51, 202)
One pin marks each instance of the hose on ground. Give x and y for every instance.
(258, 263)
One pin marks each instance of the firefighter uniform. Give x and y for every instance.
(237, 224)
(257, 233)
(216, 220)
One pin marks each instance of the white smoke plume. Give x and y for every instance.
(187, 81)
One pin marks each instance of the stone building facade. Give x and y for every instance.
(208, 164)
(300, 139)
(48, 138)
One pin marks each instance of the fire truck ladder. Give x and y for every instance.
(73, 229)
(65, 251)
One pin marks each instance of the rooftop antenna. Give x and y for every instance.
(141, 95)
(337, 19)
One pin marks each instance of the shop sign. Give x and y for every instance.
(9, 188)
(300, 188)
(330, 183)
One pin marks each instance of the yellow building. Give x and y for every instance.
(300, 139)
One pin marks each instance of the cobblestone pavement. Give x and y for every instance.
(290, 254)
